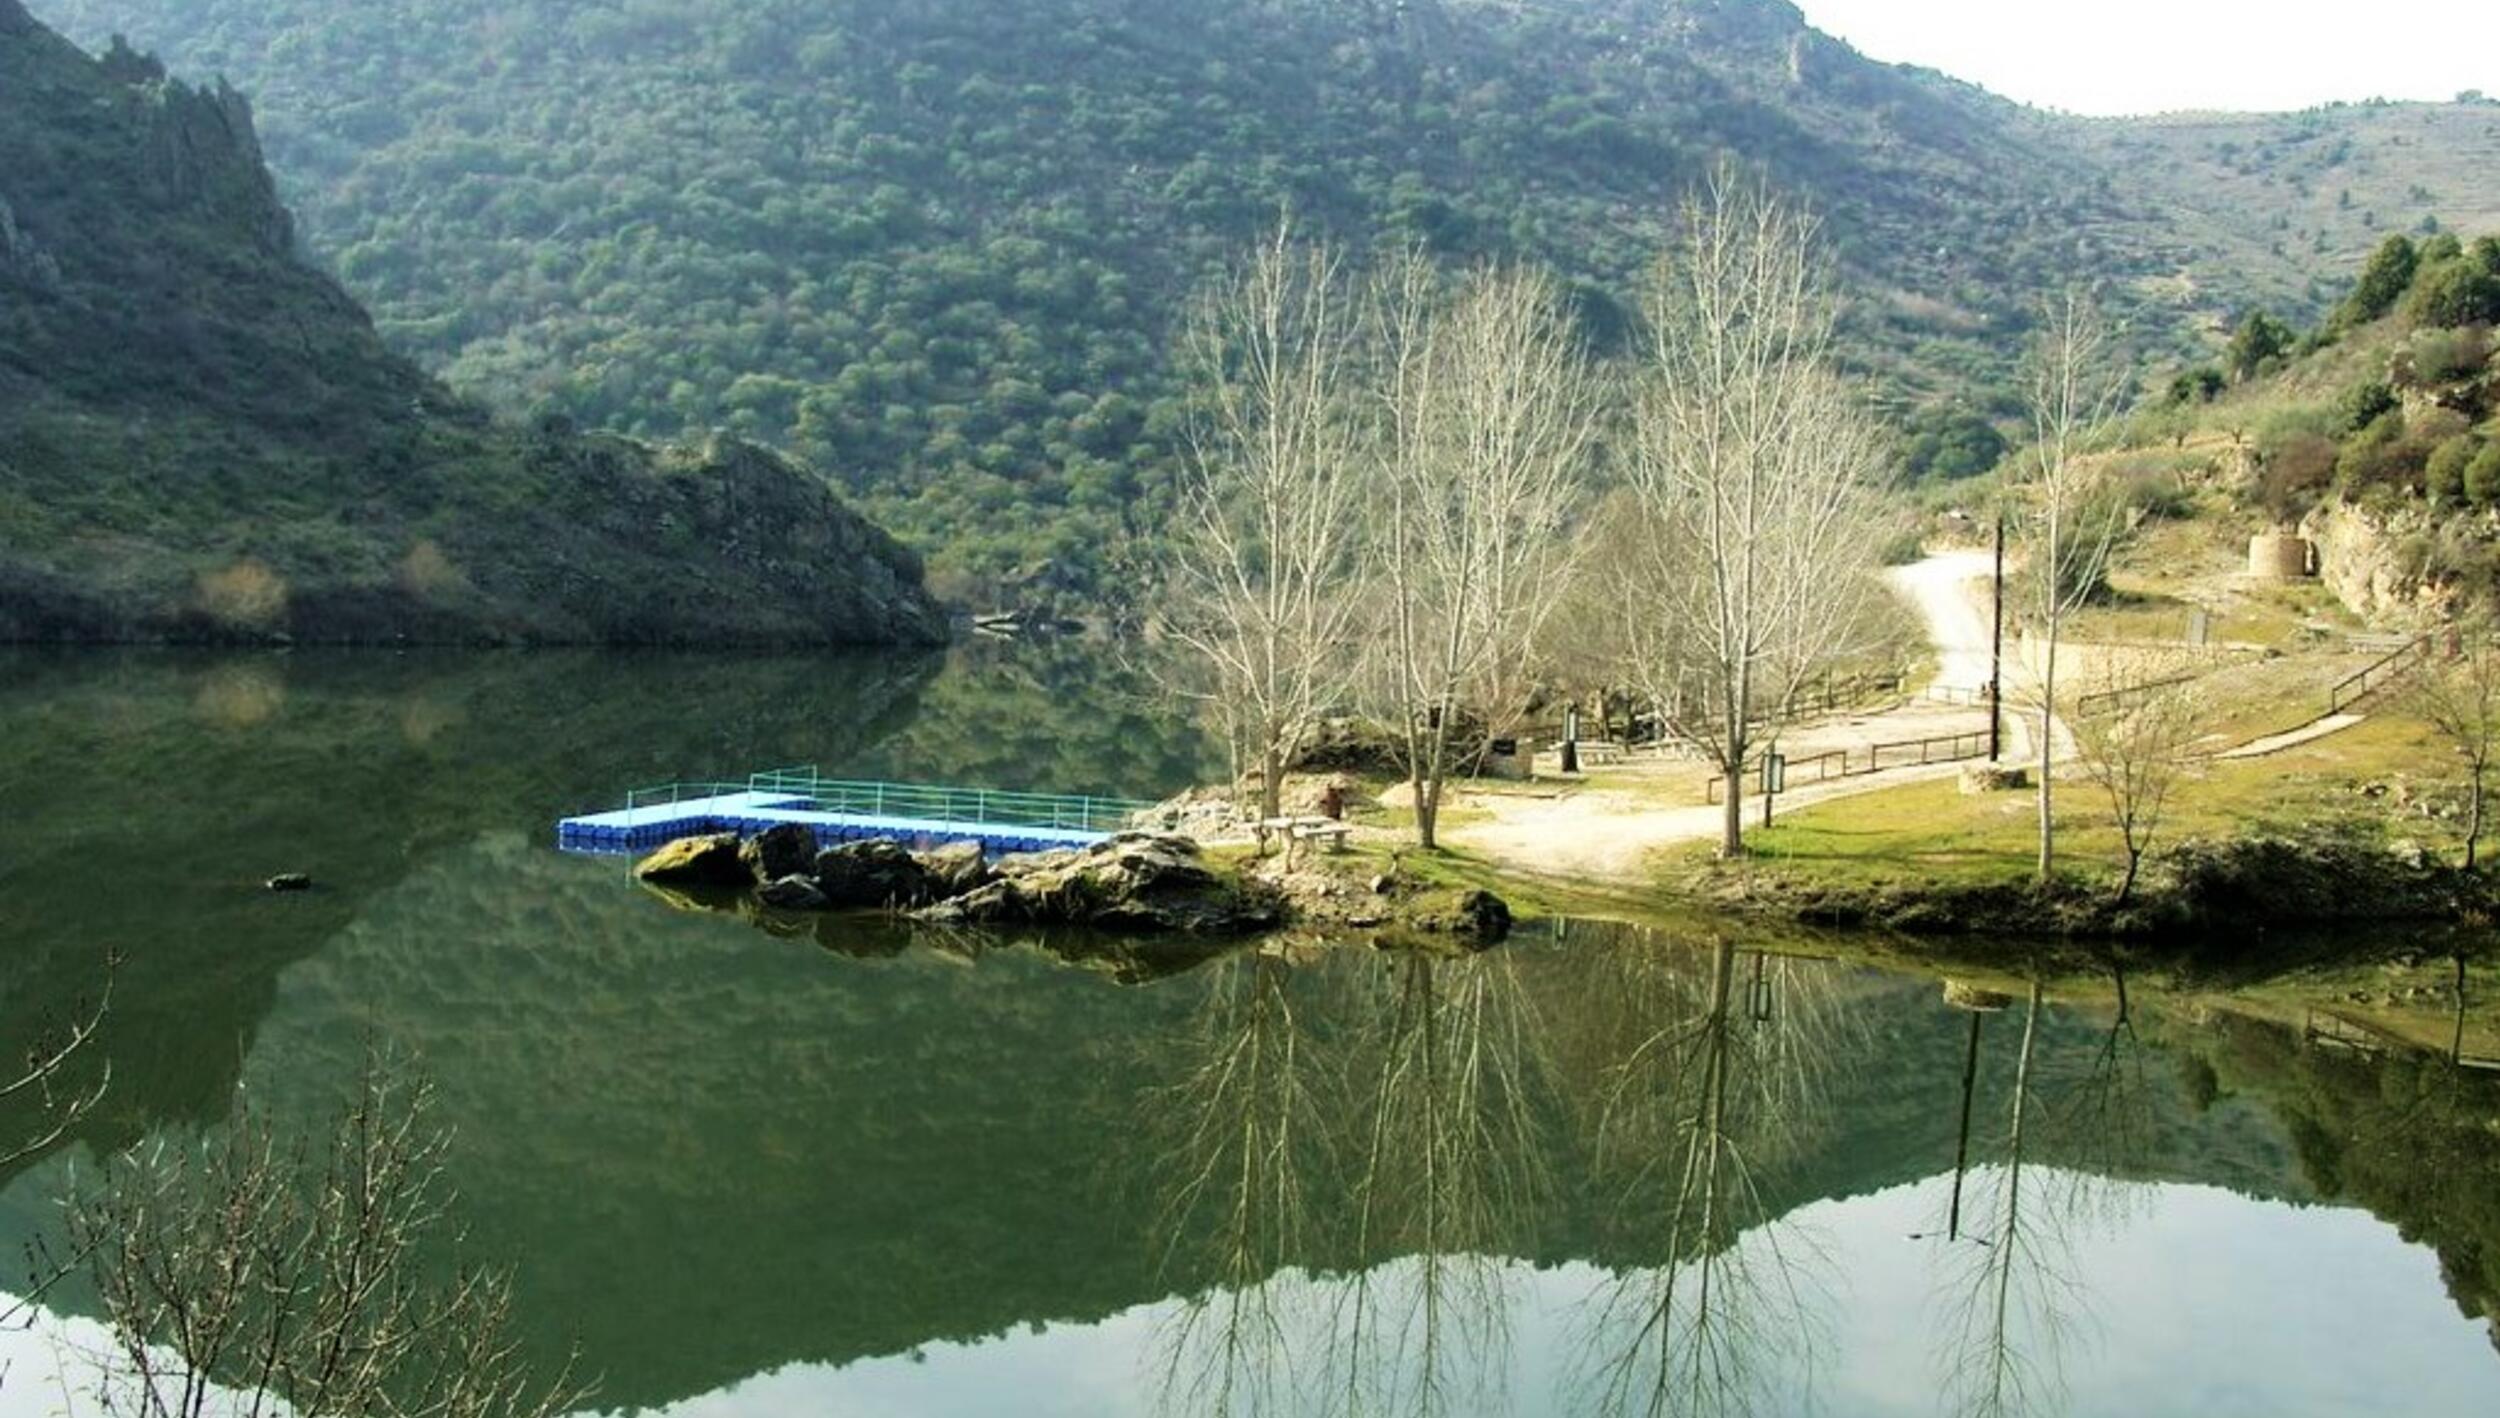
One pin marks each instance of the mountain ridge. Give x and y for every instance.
(939, 247)
(203, 438)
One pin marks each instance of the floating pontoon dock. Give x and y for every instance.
(842, 811)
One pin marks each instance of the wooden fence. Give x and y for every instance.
(1874, 758)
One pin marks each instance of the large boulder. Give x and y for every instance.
(777, 852)
(792, 893)
(878, 873)
(1132, 883)
(712, 860)
(955, 868)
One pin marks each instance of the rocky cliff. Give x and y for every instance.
(201, 437)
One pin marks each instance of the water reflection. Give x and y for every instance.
(149, 793)
(1708, 1094)
(1623, 1172)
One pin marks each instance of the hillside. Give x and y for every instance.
(2376, 434)
(938, 246)
(201, 437)
(2278, 200)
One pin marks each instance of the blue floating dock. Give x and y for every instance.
(846, 811)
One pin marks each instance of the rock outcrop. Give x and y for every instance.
(156, 320)
(21, 260)
(880, 875)
(697, 861)
(1132, 883)
(777, 852)
(1135, 884)
(957, 868)
(2372, 563)
(792, 893)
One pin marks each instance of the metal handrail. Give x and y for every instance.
(1957, 747)
(1074, 812)
(2090, 704)
(2359, 681)
(912, 801)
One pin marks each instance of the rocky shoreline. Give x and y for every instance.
(2209, 894)
(1130, 884)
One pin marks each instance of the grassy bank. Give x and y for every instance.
(2360, 826)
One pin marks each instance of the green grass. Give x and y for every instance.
(1934, 833)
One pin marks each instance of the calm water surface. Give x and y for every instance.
(859, 1171)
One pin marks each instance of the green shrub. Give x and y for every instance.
(2443, 476)
(2435, 356)
(2383, 282)
(2375, 456)
(2363, 405)
(2286, 425)
(2482, 476)
(1950, 443)
(2257, 345)
(2159, 496)
(2454, 292)
(2293, 473)
(2201, 385)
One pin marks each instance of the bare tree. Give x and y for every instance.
(1260, 582)
(2461, 699)
(46, 1080)
(50, 1085)
(1752, 465)
(1491, 411)
(238, 1276)
(2137, 753)
(2073, 396)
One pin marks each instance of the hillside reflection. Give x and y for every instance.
(1613, 1172)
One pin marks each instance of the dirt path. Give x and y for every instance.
(2293, 738)
(1950, 593)
(1627, 814)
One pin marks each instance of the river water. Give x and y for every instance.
(1599, 1170)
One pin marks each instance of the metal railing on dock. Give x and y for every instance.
(917, 801)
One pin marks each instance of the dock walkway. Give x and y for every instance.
(844, 811)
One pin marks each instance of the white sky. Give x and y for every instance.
(2154, 56)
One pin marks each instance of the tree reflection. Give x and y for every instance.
(1451, 1171)
(1246, 1126)
(1379, 1114)
(1709, 1089)
(2012, 1286)
(2105, 1124)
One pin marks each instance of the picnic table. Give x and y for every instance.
(1301, 829)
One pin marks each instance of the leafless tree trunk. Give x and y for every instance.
(2136, 753)
(2004, 1342)
(2073, 396)
(2461, 700)
(1259, 589)
(1752, 465)
(1491, 412)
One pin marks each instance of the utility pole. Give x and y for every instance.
(1996, 652)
